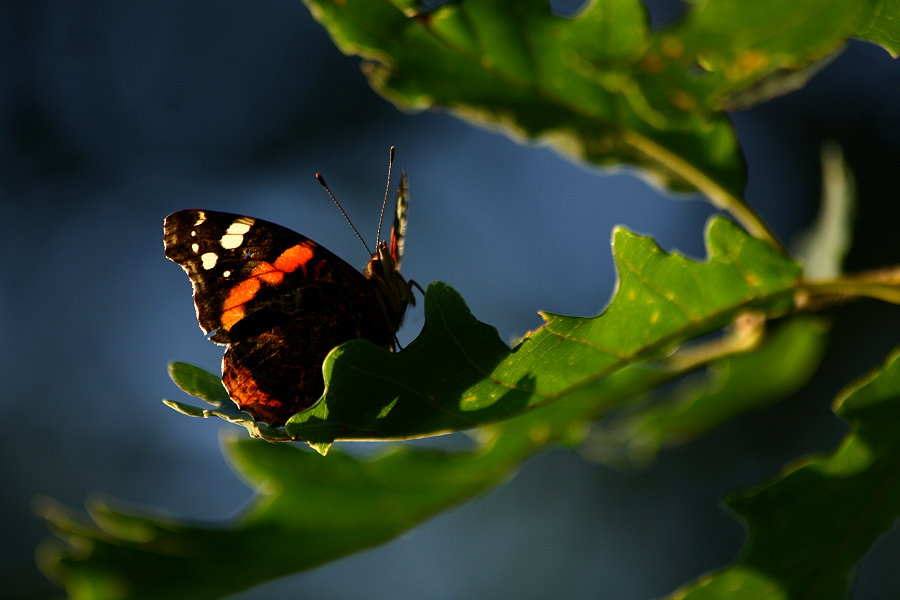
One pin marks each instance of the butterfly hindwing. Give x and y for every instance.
(278, 371)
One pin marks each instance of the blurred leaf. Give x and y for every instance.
(822, 248)
(731, 386)
(741, 42)
(810, 525)
(458, 374)
(308, 509)
(774, 84)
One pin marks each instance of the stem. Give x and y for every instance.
(746, 334)
(889, 292)
(882, 283)
(718, 195)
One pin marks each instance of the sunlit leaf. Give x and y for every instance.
(199, 383)
(458, 374)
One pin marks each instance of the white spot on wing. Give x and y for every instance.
(226, 273)
(234, 235)
(195, 247)
(201, 216)
(209, 260)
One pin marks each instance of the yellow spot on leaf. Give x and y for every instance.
(539, 434)
(652, 63)
(747, 63)
(682, 100)
(672, 47)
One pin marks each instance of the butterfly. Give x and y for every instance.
(281, 302)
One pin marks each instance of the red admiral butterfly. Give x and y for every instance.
(281, 302)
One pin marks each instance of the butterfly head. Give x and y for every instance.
(396, 291)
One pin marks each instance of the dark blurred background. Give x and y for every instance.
(115, 114)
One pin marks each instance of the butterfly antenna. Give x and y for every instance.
(343, 212)
(387, 189)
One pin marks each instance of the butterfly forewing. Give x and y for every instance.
(239, 264)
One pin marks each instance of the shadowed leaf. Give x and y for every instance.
(731, 386)
(810, 525)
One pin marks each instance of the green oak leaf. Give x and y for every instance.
(810, 525)
(458, 374)
(515, 66)
(600, 86)
(200, 384)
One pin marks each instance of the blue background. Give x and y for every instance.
(115, 114)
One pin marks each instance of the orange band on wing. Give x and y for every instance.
(233, 307)
(266, 272)
(294, 258)
(288, 261)
(241, 386)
